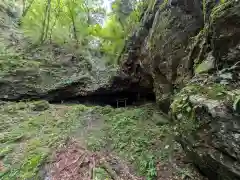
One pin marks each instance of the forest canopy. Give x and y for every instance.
(83, 24)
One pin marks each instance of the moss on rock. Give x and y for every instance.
(40, 105)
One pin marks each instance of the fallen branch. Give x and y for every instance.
(236, 65)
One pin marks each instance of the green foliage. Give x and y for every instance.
(120, 23)
(204, 67)
(60, 21)
(184, 113)
(27, 136)
(212, 91)
(220, 10)
(164, 4)
(112, 38)
(132, 133)
(9, 63)
(81, 24)
(100, 174)
(5, 150)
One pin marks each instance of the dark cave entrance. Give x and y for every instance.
(114, 99)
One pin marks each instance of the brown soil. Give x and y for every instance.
(2, 168)
(74, 162)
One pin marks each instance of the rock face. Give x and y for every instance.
(208, 104)
(157, 49)
(193, 47)
(214, 145)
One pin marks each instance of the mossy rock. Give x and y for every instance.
(205, 66)
(40, 106)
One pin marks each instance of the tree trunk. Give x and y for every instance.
(48, 20)
(26, 8)
(55, 21)
(73, 22)
(46, 17)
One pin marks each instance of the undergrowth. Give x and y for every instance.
(212, 91)
(28, 134)
(133, 135)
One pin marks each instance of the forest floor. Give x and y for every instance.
(63, 142)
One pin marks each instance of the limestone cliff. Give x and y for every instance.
(189, 50)
(158, 49)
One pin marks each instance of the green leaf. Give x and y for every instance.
(236, 103)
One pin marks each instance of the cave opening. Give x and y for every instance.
(114, 99)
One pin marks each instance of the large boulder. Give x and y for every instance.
(36, 73)
(208, 129)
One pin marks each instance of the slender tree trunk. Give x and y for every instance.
(55, 21)
(43, 25)
(85, 40)
(48, 20)
(74, 28)
(51, 30)
(26, 8)
(46, 17)
(73, 22)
